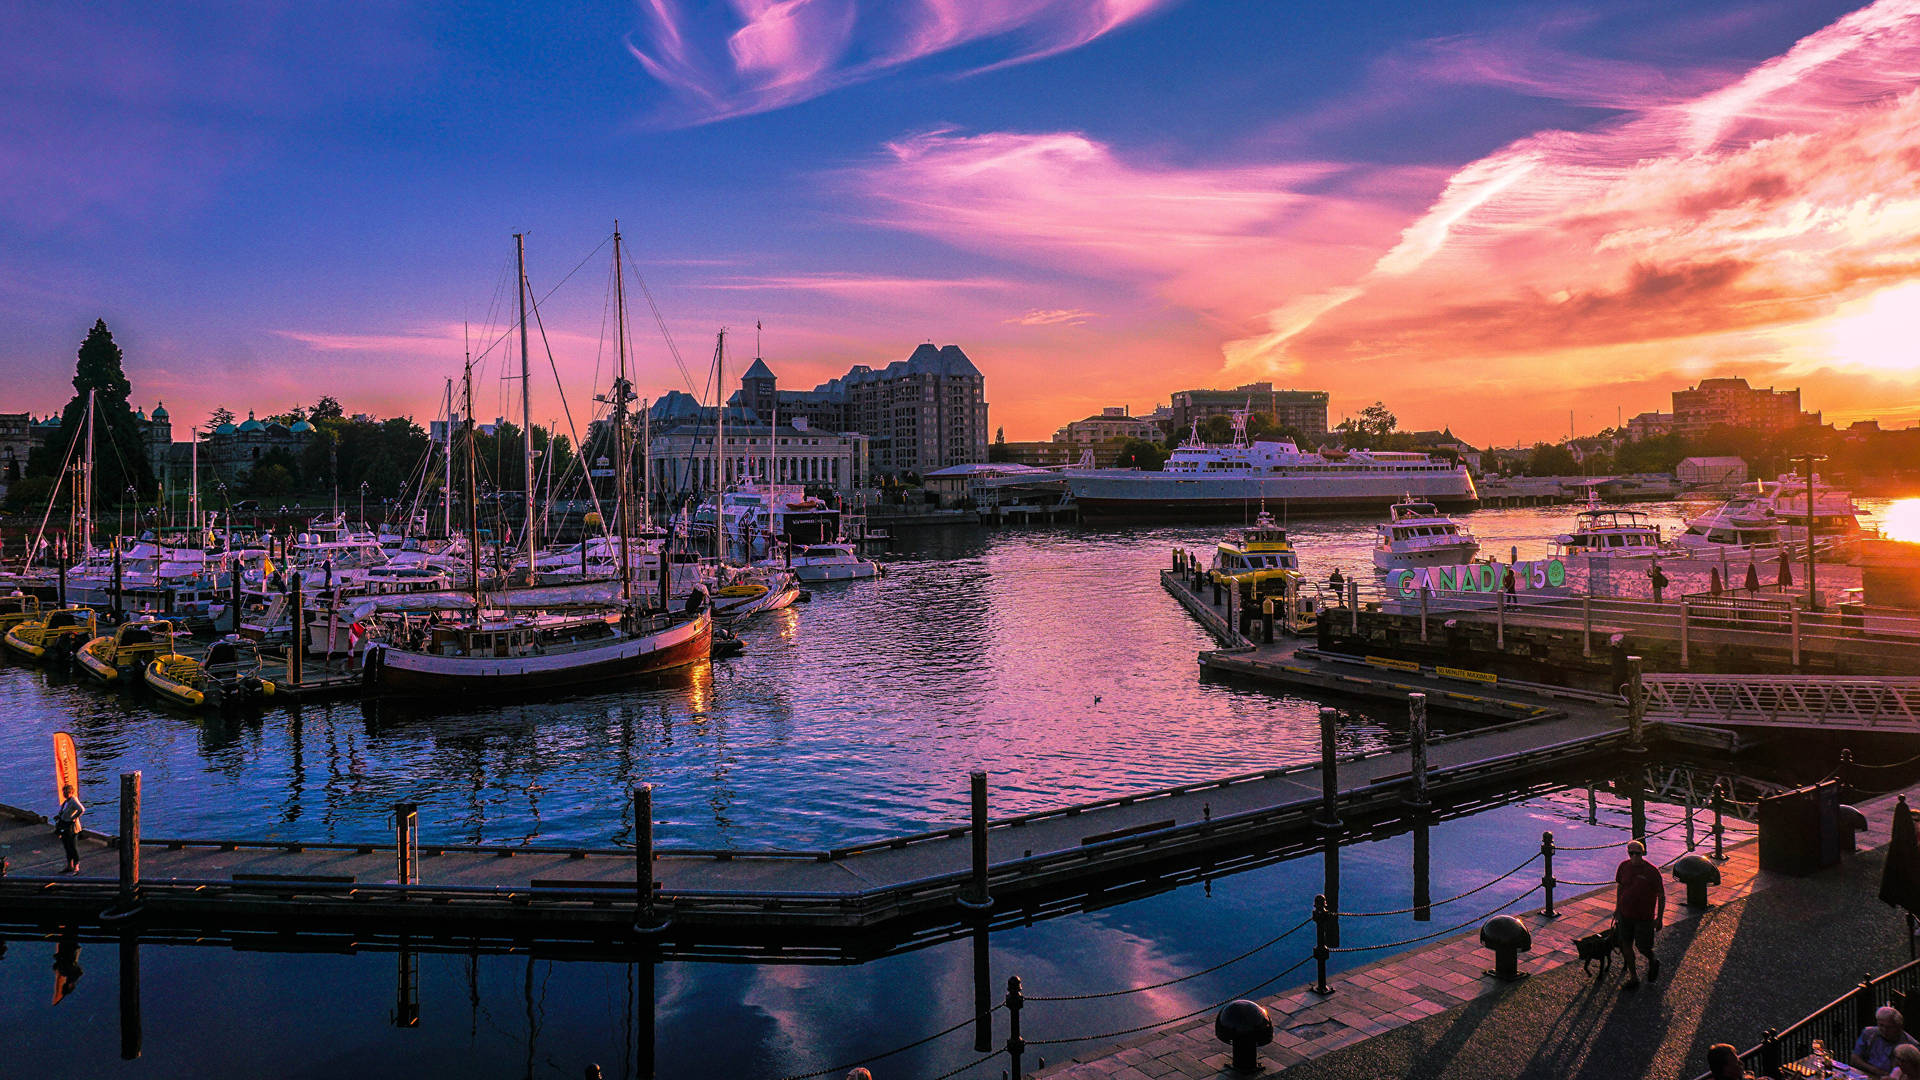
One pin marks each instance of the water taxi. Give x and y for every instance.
(114, 658)
(1417, 534)
(228, 676)
(57, 635)
(1258, 558)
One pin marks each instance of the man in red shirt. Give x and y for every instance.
(1639, 907)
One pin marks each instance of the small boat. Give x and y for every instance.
(1259, 563)
(753, 591)
(1609, 533)
(16, 608)
(1417, 534)
(831, 562)
(229, 676)
(62, 631)
(1743, 525)
(117, 657)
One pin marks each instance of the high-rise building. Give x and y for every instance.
(1732, 403)
(1304, 411)
(922, 413)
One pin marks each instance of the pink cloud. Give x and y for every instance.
(753, 56)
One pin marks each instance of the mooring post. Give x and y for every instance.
(1423, 614)
(1636, 708)
(1266, 615)
(1417, 748)
(129, 837)
(1793, 618)
(976, 896)
(1015, 1044)
(1689, 805)
(1684, 621)
(296, 648)
(1329, 774)
(1719, 826)
(1322, 917)
(406, 827)
(1586, 625)
(1546, 874)
(1176, 559)
(643, 855)
(1216, 592)
(1353, 606)
(1593, 807)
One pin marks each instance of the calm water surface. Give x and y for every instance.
(1051, 658)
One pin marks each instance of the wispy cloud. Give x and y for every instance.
(753, 56)
(1055, 317)
(855, 284)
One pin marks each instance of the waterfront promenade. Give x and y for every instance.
(1773, 949)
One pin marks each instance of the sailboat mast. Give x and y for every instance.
(193, 493)
(86, 486)
(622, 461)
(719, 445)
(473, 495)
(531, 528)
(446, 483)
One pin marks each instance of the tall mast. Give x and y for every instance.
(193, 493)
(86, 485)
(719, 444)
(473, 495)
(622, 459)
(531, 528)
(446, 484)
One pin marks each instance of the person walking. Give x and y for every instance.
(66, 822)
(1639, 907)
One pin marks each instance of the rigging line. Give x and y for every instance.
(508, 332)
(660, 321)
(568, 411)
(65, 463)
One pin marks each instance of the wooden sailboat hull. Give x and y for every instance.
(403, 672)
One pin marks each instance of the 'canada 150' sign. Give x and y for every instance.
(1484, 577)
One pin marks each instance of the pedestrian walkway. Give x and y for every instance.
(1773, 949)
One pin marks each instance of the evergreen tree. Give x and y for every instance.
(120, 449)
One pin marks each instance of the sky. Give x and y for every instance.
(1512, 219)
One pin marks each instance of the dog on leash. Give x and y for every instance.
(1593, 947)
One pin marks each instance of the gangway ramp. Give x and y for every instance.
(1824, 702)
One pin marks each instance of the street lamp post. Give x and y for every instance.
(1813, 596)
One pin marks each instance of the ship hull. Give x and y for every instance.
(1113, 495)
(398, 672)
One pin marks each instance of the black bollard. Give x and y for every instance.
(1329, 774)
(1246, 1027)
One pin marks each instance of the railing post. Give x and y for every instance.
(976, 895)
(1500, 618)
(1586, 624)
(1322, 916)
(1423, 614)
(1793, 618)
(1353, 607)
(1636, 707)
(1329, 774)
(1863, 1003)
(129, 837)
(1719, 826)
(1770, 1052)
(1216, 592)
(1015, 1044)
(406, 825)
(1417, 748)
(1684, 664)
(1546, 874)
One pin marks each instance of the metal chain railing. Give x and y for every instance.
(1456, 928)
(831, 1070)
(1267, 944)
(1439, 903)
(1109, 1035)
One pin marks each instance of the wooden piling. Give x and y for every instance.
(977, 896)
(643, 851)
(1329, 773)
(129, 837)
(296, 648)
(1636, 707)
(1417, 748)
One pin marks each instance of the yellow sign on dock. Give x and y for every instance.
(1397, 665)
(1462, 673)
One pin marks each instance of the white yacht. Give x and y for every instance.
(831, 562)
(1604, 532)
(1417, 534)
(758, 515)
(1836, 519)
(1743, 525)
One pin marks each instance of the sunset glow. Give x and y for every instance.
(1901, 521)
(1463, 199)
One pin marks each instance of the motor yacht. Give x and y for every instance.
(1605, 532)
(1417, 534)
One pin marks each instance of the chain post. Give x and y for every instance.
(1015, 1044)
(1322, 916)
(1546, 874)
(1719, 825)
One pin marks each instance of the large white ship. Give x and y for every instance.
(1201, 481)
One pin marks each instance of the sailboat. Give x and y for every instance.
(501, 646)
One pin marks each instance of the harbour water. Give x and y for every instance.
(1048, 657)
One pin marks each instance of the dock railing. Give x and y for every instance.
(1837, 1023)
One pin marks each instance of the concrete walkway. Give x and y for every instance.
(1774, 949)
